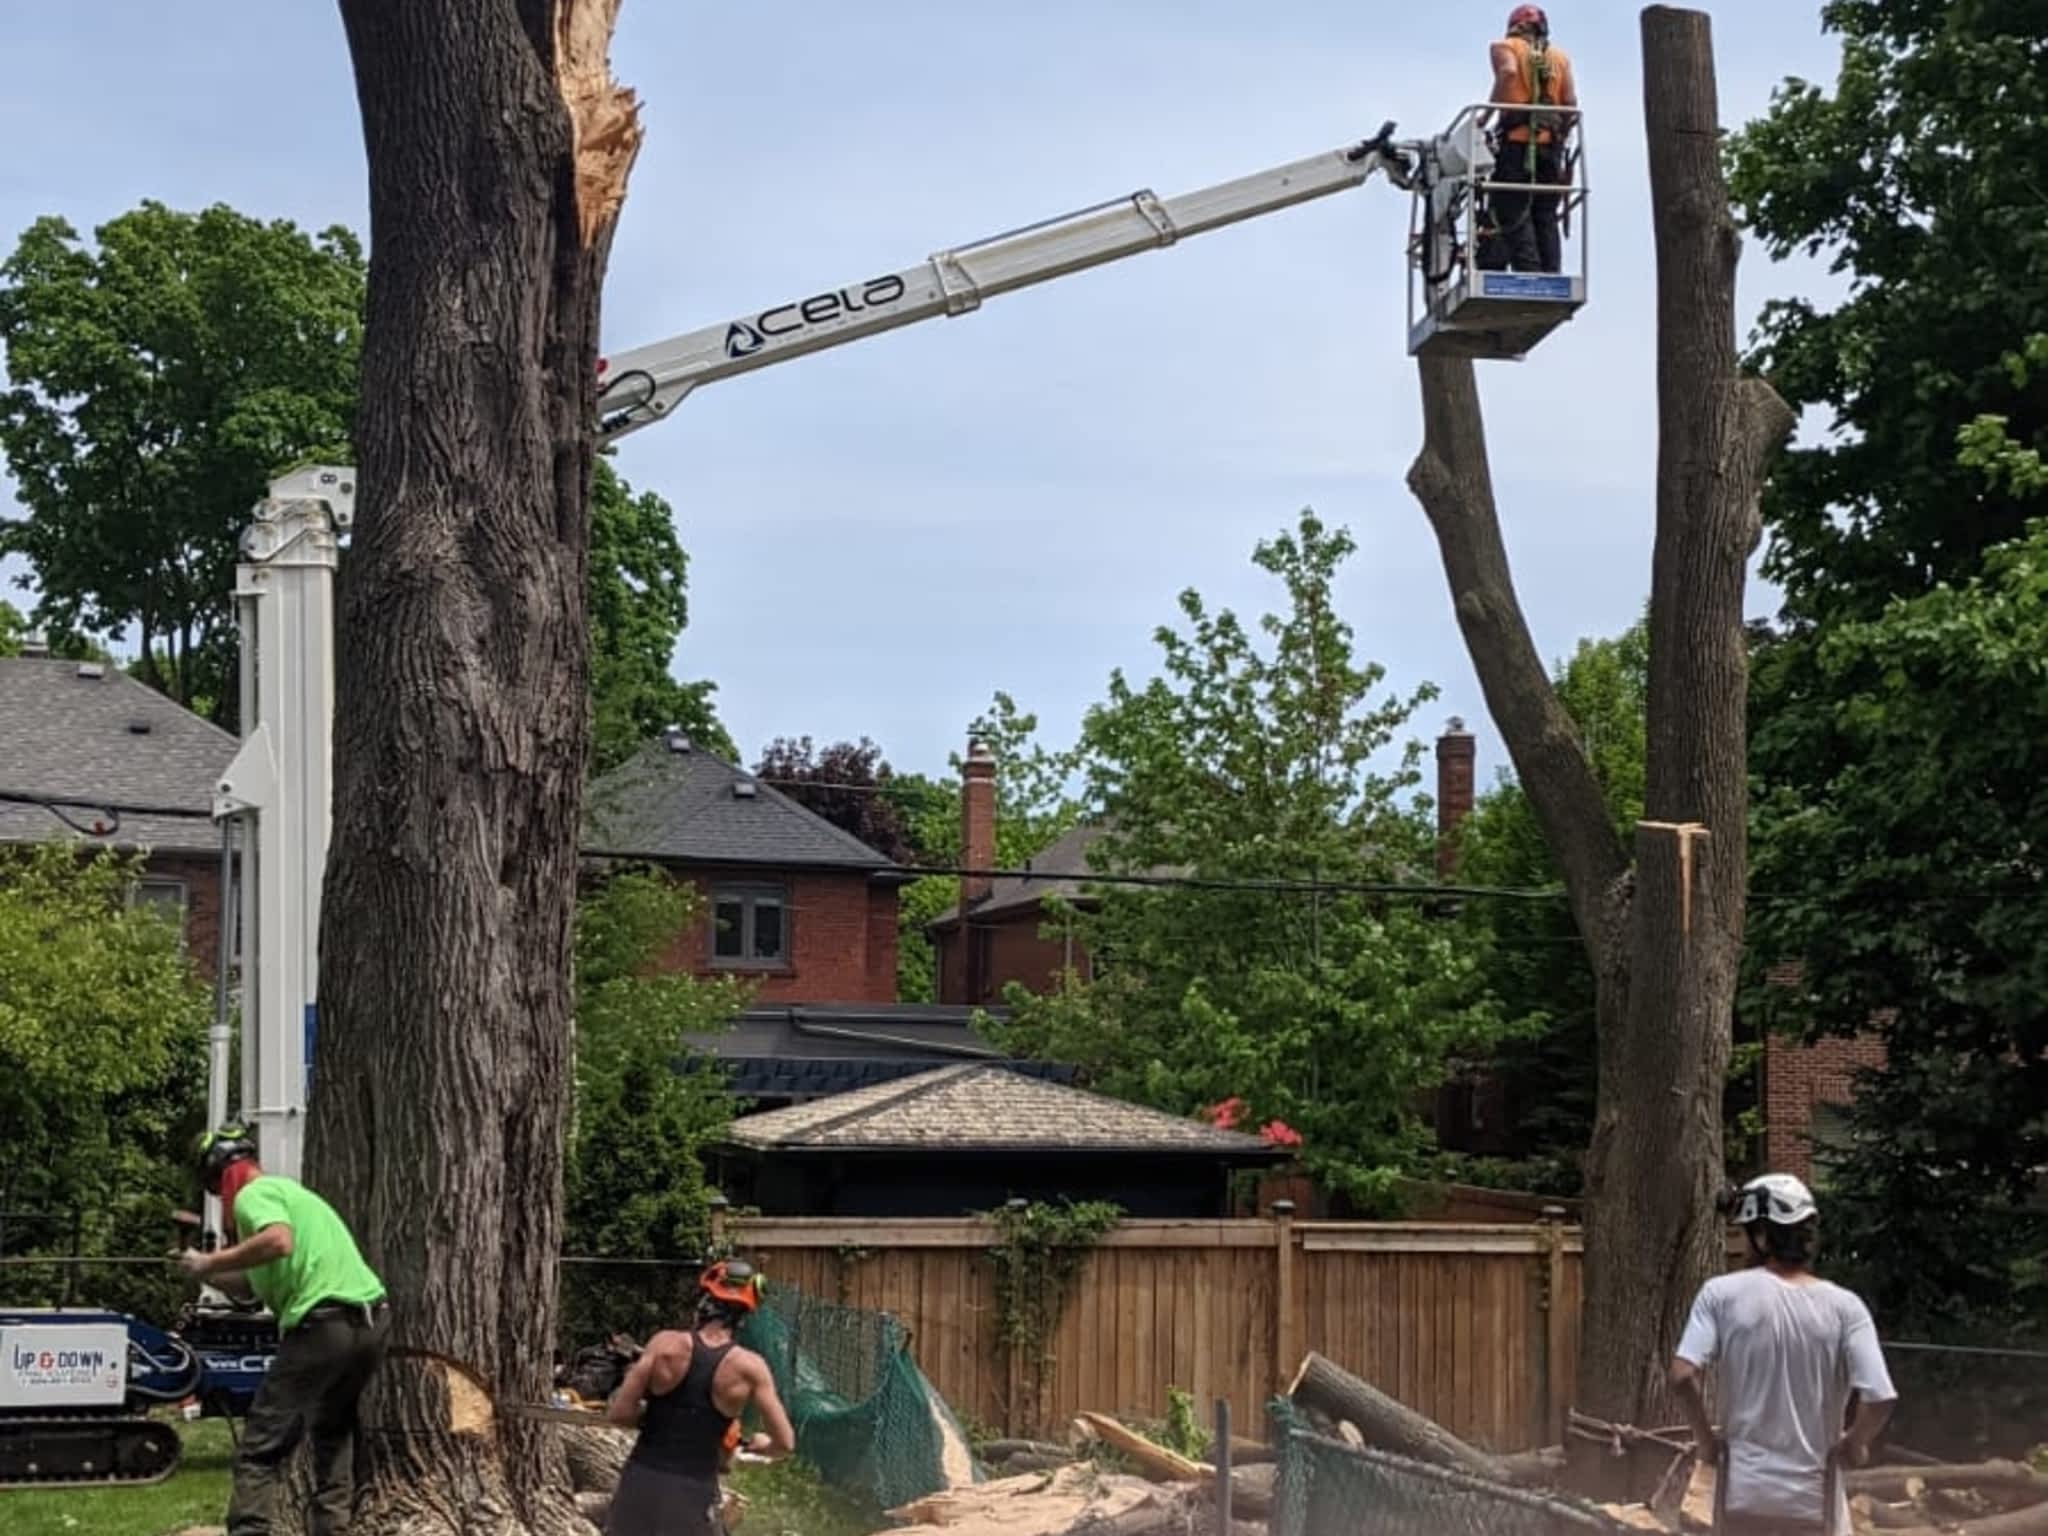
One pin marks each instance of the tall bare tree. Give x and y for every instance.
(499, 148)
(1662, 920)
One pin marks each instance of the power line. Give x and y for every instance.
(58, 805)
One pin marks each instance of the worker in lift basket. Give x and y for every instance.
(685, 1394)
(299, 1259)
(1792, 1349)
(1529, 148)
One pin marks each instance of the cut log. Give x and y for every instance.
(1033, 1461)
(1535, 1469)
(2032, 1521)
(1003, 1450)
(1251, 1490)
(1385, 1423)
(2003, 1477)
(1156, 1460)
(1250, 1453)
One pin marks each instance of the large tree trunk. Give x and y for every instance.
(498, 151)
(1663, 930)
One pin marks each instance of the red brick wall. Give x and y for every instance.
(1015, 951)
(832, 935)
(1800, 1078)
(881, 944)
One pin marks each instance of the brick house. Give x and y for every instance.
(94, 739)
(999, 931)
(788, 901)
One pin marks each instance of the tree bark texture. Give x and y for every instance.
(498, 151)
(1383, 1422)
(1662, 922)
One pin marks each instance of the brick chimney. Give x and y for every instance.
(1455, 755)
(977, 821)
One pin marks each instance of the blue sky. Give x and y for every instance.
(883, 535)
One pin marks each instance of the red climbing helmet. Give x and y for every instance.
(1528, 18)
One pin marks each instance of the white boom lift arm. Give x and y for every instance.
(643, 386)
(278, 784)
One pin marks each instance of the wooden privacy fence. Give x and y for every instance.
(1476, 1326)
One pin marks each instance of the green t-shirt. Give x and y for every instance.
(323, 1264)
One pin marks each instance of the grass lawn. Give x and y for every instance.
(783, 1500)
(196, 1494)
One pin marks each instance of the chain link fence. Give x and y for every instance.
(1328, 1488)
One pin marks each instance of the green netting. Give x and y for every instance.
(865, 1416)
(1328, 1488)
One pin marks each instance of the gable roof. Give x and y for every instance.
(986, 1107)
(677, 803)
(87, 735)
(1058, 869)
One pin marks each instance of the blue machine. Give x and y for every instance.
(77, 1386)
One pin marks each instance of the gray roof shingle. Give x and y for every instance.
(74, 737)
(679, 805)
(985, 1107)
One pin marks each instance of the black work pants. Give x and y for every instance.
(1527, 221)
(310, 1393)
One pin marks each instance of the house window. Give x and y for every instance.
(749, 926)
(166, 897)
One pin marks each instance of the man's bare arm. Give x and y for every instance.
(781, 1436)
(1692, 1397)
(626, 1403)
(1507, 71)
(1864, 1429)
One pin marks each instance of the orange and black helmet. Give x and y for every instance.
(734, 1282)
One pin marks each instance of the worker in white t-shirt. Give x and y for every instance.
(1792, 1350)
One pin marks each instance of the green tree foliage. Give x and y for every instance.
(1894, 739)
(12, 628)
(1536, 963)
(160, 381)
(1259, 754)
(1920, 174)
(1912, 888)
(156, 384)
(645, 1109)
(639, 608)
(102, 1039)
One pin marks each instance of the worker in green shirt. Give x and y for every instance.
(297, 1257)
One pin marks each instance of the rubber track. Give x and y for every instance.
(93, 1437)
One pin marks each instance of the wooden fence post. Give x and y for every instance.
(1287, 1349)
(1550, 1379)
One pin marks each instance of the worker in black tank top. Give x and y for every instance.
(685, 1394)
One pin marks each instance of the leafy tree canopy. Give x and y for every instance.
(1919, 174)
(1912, 888)
(644, 1110)
(159, 380)
(638, 610)
(156, 384)
(1536, 964)
(102, 1031)
(1261, 753)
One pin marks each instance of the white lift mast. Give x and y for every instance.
(278, 784)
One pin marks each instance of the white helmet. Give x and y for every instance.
(1776, 1197)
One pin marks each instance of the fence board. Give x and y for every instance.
(1448, 1319)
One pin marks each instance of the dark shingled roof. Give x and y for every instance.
(72, 736)
(681, 806)
(1057, 869)
(798, 1051)
(986, 1107)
